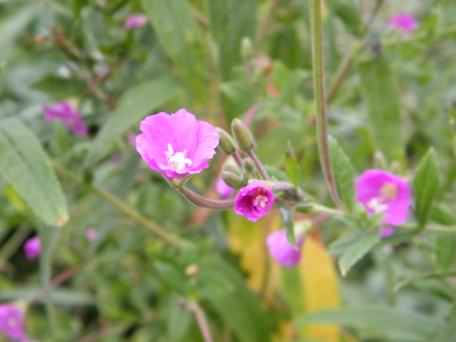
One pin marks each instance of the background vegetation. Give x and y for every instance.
(391, 97)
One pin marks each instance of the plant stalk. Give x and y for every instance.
(320, 99)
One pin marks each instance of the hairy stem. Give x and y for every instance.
(320, 99)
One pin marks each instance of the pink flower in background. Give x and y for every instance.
(66, 113)
(32, 248)
(381, 192)
(285, 253)
(91, 234)
(135, 21)
(223, 189)
(176, 145)
(404, 23)
(254, 201)
(12, 323)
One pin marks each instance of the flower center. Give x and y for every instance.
(377, 205)
(177, 160)
(388, 191)
(260, 201)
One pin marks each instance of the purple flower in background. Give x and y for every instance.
(32, 248)
(404, 23)
(176, 145)
(381, 192)
(223, 189)
(12, 323)
(91, 234)
(254, 201)
(66, 113)
(285, 253)
(135, 21)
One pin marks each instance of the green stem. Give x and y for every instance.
(258, 164)
(320, 99)
(127, 210)
(432, 275)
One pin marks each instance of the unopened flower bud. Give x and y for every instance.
(232, 179)
(227, 143)
(242, 135)
(249, 167)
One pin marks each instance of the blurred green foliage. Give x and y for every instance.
(392, 100)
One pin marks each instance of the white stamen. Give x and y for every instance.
(377, 206)
(177, 160)
(260, 201)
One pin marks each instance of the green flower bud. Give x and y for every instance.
(227, 143)
(242, 135)
(234, 180)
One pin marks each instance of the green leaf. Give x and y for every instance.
(223, 287)
(349, 13)
(357, 249)
(344, 173)
(379, 322)
(230, 21)
(445, 252)
(426, 185)
(26, 167)
(133, 106)
(173, 22)
(448, 333)
(383, 104)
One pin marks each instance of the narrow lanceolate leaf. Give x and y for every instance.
(356, 251)
(425, 185)
(382, 98)
(242, 312)
(135, 104)
(343, 172)
(380, 322)
(26, 167)
(230, 21)
(174, 24)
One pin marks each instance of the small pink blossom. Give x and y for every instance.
(91, 234)
(223, 189)
(381, 192)
(12, 323)
(404, 23)
(32, 248)
(254, 201)
(176, 145)
(135, 21)
(285, 253)
(66, 113)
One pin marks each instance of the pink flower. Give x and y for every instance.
(404, 23)
(66, 113)
(12, 323)
(381, 192)
(91, 234)
(286, 254)
(223, 189)
(135, 21)
(32, 248)
(176, 145)
(254, 201)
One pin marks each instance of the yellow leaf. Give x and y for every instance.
(247, 240)
(320, 286)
